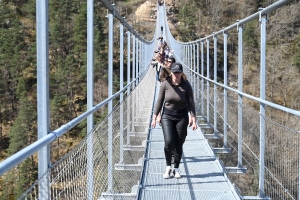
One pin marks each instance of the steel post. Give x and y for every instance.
(263, 36)
(133, 59)
(194, 67)
(225, 91)
(207, 82)
(202, 79)
(122, 93)
(137, 65)
(128, 89)
(240, 97)
(198, 81)
(110, 103)
(42, 38)
(90, 97)
(133, 85)
(215, 86)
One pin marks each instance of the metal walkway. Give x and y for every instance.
(203, 177)
(107, 163)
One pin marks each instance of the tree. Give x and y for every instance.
(250, 39)
(296, 58)
(188, 17)
(20, 134)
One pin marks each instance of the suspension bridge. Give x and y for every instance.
(122, 156)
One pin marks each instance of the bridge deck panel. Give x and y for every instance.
(202, 175)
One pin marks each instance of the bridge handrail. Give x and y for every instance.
(18, 157)
(21, 155)
(111, 8)
(262, 128)
(262, 11)
(274, 105)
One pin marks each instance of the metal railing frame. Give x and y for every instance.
(140, 52)
(45, 136)
(186, 57)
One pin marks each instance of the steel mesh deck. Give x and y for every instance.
(202, 176)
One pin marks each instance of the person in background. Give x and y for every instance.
(176, 98)
(166, 70)
(157, 63)
(165, 60)
(165, 73)
(160, 44)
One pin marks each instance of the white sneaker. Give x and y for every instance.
(176, 173)
(168, 172)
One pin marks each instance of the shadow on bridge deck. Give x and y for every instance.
(202, 175)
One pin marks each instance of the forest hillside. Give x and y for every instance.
(188, 20)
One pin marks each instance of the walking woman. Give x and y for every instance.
(176, 98)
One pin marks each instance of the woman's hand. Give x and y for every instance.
(194, 126)
(153, 124)
(192, 122)
(158, 119)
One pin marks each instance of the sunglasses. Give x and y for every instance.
(169, 61)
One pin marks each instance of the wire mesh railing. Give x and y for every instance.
(253, 125)
(265, 145)
(281, 148)
(37, 155)
(68, 177)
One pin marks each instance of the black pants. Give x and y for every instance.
(174, 130)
